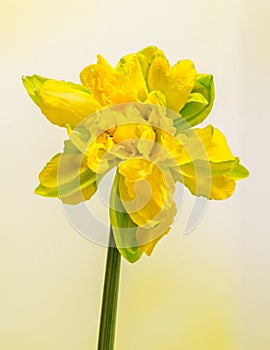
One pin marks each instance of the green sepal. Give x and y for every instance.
(199, 104)
(239, 172)
(196, 104)
(124, 229)
(32, 84)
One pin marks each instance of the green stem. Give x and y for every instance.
(110, 297)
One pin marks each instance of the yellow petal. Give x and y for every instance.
(66, 103)
(148, 248)
(218, 187)
(145, 57)
(148, 52)
(68, 178)
(62, 169)
(80, 196)
(107, 85)
(160, 119)
(129, 131)
(148, 238)
(156, 98)
(207, 144)
(215, 144)
(204, 162)
(130, 67)
(146, 191)
(168, 149)
(175, 83)
(135, 138)
(97, 154)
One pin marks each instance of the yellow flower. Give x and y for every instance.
(137, 117)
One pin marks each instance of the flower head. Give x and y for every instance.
(139, 118)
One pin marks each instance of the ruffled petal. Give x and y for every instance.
(133, 240)
(207, 144)
(217, 187)
(108, 85)
(206, 163)
(156, 98)
(135, 138)
(98, 156)
(175, 83)
(146, 191)
(168, 149)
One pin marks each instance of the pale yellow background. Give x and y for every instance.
(204, 291)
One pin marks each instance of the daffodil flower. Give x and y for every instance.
(139, 118)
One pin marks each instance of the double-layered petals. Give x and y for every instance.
(176, 83)
(207, 162)
(137, 117)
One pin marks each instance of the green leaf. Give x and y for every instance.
(239, 172)
(124, 229)
(199, 103)
(32, 84)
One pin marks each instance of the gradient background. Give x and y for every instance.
(205, 291)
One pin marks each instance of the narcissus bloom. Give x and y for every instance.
(139, 118)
